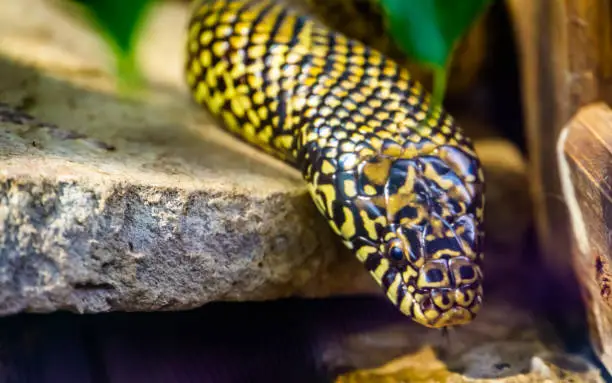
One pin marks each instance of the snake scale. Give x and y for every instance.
(395, 177)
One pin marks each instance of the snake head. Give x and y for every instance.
(427, 212)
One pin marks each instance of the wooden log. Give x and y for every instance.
(585, 163)
(565, 50)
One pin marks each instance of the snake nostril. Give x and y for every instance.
(466, 272)
(434, 276)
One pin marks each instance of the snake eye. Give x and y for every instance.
(396, 253)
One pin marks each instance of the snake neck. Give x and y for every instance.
(369, 23)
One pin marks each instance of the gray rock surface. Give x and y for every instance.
(142, 202)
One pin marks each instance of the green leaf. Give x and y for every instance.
(428, 31)
(118, 22)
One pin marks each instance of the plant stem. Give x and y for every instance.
(129, 76)
(440, 77)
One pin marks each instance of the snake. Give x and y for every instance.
(390, 171)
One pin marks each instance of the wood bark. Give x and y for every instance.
(586, 175)
(565, 53)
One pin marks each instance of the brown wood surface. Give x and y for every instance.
(586, 169)
(565, 53)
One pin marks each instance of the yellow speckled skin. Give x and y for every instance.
(399, 183)
(367, 23)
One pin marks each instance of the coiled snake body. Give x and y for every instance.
(399, 183)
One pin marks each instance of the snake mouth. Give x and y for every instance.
(453, 317)
(456, 316)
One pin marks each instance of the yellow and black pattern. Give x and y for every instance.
(367, 23)
(399, 183)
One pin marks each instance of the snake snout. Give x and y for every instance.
(451, 292)
(448, 307)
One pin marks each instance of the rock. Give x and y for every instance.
(508, 215)
(504, 362)
(513, 339)
(88, 227)
(141, 202)
(510, 341)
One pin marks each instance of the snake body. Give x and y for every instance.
(395, 178)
